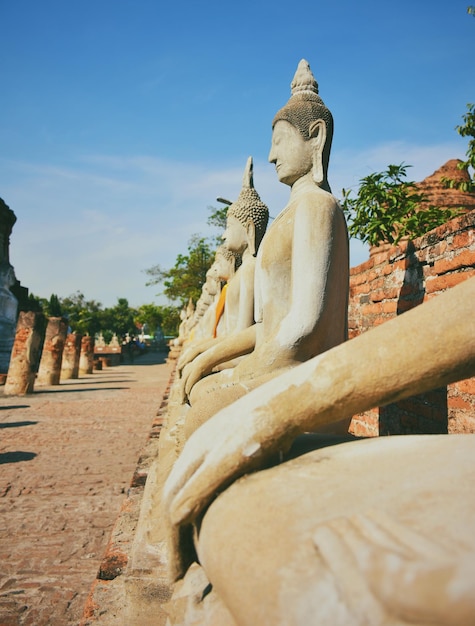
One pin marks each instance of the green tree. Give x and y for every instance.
(53, 308)
(84, 315)
(185, 279)
(387, 207)
(171, 320)
(149, 315)
(217, 219)
(119, 319)
(218, 216)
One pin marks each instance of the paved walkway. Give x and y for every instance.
(67, 457)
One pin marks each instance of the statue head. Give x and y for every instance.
(304, 117)
(225, 263)
(212, 284)
(249, 212)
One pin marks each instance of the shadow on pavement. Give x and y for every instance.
(14, 406)
(44, 391)
(16, 457)
(17, 424)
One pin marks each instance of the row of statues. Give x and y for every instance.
(260, 495)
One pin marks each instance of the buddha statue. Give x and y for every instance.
(246, 223)
(221, 270)
(360, 540)
(301, 270)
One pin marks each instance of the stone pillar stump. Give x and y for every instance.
(52, 357)
(86, 359)
(25, 356)
(71, 354)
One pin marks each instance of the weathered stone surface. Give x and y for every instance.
(25, 357)
(86, 358)
(71, 355)
(52, 355)
(439, 195)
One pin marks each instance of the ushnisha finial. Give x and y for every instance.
(249, 207)
(248, 178)
(304, 80)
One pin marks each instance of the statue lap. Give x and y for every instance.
(347, 536)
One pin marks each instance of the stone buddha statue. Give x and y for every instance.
(221, 270)
(374, 531)
(301, 272)
(246, 224)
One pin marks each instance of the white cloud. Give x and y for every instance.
(96, 223)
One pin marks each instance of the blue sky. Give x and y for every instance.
(121, 121)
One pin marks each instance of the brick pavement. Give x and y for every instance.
(67, 457)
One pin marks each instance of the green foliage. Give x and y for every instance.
(119, 319)
(386, 208)
(471, 10)
(149, 315)
(35, 303)
(171, 320)
(218, 217)
(53, 308)
(185, 279)
(84, 315)
(466, 130)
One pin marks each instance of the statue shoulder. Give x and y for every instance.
(317, 201)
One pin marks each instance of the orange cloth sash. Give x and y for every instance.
(220, 309)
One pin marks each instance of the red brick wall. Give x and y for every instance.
(394, 280)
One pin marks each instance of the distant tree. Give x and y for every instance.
(34, 303)
(185, 279)
(386, 208)
(119, 319)
(218, 216)
(471, 10)
(171, 320)
(53, 308)
(217, 219)
(84, 315)
(150, 315)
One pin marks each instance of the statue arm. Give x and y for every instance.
(246, 295)
(434, 349)
(317, 243)
(230, 347)
(190, 353)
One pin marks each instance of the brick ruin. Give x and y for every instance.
(395, 279)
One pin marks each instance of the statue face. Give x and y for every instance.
(224, 267)
(290, 153)
(211, 287)
(235, 235)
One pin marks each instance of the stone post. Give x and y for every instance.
(86, 359)
(52, 357)
(25, 356)
(71, 354)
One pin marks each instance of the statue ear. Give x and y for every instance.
(251, 237)
(318, 135)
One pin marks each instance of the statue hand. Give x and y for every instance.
(187, 357)
(233, 442)
(193, 372)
